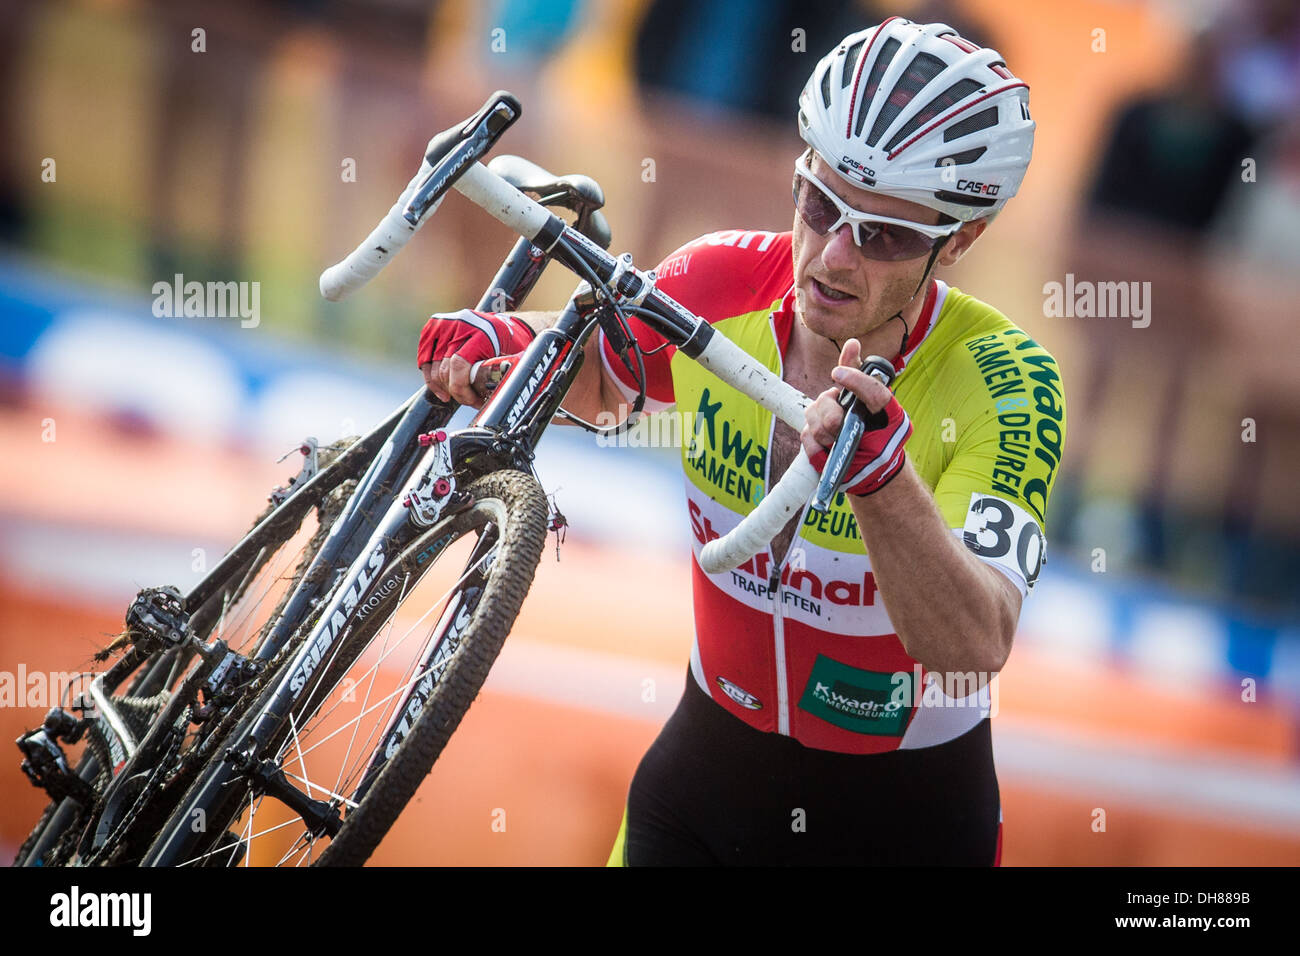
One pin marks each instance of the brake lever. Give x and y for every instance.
(857, 422)
(451, 152)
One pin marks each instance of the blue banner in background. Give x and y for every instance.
(211, 380)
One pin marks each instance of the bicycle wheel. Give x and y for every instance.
(396, 687)
(241, 612)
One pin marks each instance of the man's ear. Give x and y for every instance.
(962, 240)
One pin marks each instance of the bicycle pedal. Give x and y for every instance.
(157, 619)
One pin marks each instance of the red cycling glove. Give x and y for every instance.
(880, 453)
(474, 336)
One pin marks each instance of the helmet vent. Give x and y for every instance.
(948, 98)
(873, 80)
(851, 63)
(963, 158)
(826, 89)
(962, 199)
(972, 124)
(919, 72)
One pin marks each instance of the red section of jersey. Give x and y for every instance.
(747, 660)
(803, 645)
(924, 323)
(747, 667)
(716, 276)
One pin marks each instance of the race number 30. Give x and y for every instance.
(999, 531)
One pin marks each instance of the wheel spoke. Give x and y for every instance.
(374, 667)
(293, 729)
(385, 658)
(239, 589)
(306, 835)
(281, 574)
(432, 606)
(370, 684)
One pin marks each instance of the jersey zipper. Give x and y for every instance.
(774, 581)
(778, 623)
(778, 640)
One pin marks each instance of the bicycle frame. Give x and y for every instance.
(393, 453)
(365, 537)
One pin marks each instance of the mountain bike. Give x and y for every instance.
(286, 709)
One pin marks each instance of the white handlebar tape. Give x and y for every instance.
(742, 371)
(502, 201)
(737, 368)
(763, 523)
(384, 242)
(478, 184)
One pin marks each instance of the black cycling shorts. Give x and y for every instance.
(713, 790)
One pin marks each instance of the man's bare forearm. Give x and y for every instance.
(952, 612)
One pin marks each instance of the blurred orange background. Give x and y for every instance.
(1185, 769)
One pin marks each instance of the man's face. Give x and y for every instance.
(826, 267)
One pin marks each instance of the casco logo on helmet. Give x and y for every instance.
(987, 189)
(849, 160)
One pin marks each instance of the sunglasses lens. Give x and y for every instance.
(884, 242)
(815, 208)
(888, 242)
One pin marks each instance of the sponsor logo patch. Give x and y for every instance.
(863, 702)
(742, 697)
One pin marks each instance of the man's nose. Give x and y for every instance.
(840, 251)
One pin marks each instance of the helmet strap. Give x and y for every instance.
(929, 264)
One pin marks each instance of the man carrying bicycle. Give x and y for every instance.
(837, 706)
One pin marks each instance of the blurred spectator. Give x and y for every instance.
(1261, 223)
(535, 29)
(1173, 154)
(741, 55)
(1257, 257)
(15, 24)
(748, 55)
(1169, 162)
(206, 87)
(1259, 70)
(378, 117)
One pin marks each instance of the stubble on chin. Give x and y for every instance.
(893, 296)
(837, 328)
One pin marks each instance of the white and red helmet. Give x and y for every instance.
(914, 110)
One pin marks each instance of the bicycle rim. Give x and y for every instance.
(240, 613)
(396, 689)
